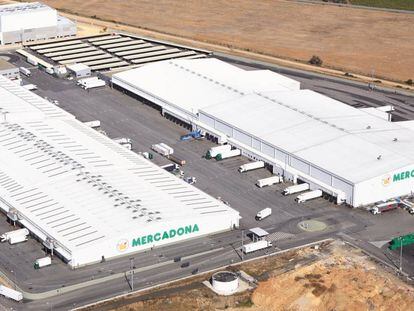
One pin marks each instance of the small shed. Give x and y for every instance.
(79, 70)
(258, 234)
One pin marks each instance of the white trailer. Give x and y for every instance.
(266, 212)
(269, 181)
(160, 149)
(296, 189)
(301, 198)
(214, 151)
(20, 232)
(228, 154)
(42, 262)
(251, 166)
(93, 84)
(32, 61)
(252, 247)
(93, 124)
(17, 239)
(170, 150)
(10, 293)
(25, 71)
(30, 87)
(50, 71)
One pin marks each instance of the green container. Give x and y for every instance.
(208, 155)
(150, 156)
(219, 157)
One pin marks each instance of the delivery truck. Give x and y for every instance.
(15, 239)
(266, 212)
(214, 151)
(10, 293)
(255, 246)
(269, 181)
(384, 207)
(301, 198)
(160, 149)
(251, 166)
(295, 189)
(176, 159)
(20, 232)
(42, 262)
(228, 154)
(25, 71)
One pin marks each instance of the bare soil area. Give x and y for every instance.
(335, 277)
(356, 40)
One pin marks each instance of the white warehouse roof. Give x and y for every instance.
(195, 78)
(352, 144)
(90, 195)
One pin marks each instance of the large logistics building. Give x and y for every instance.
(356, 155)
(86, 197)
(23, 22)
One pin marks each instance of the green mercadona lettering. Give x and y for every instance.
(168, 234)
(403, 175)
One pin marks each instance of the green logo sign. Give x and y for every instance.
(168, 234)
(403, 175)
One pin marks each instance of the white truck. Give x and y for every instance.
(383, 207)
(269, 181)
(42, 262)
(10, 293)
(17, 239)
(30, 87)
(95, 124)
(160, 149)
(255, 246)
(32, 61)
(214, 151)
(295, 189)
(170, 150)
(301, 198)
(251, 166)
(20, 232)
(228, 154)
(25, 71)
(266, 212)
(124, 142)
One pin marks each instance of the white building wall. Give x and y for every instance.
(29, 20)
(392, 185)
(122, 245)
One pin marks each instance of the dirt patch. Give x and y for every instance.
(355, 40)
(335, 277)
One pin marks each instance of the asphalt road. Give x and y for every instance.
(122, 116)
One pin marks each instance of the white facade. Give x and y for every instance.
(86, 196)
(344, 151)
(23, 22)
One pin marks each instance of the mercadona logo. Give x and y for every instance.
(122, 245)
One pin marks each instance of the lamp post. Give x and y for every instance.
(131, 269)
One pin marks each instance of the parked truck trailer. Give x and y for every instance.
(228, 154)
(10, 293)
(251, 166)
(214, 151)
(252, 247)
(20, 232)
(269, 181)
(266, 212)
(295, 189)
(301, 198)
(42, 262)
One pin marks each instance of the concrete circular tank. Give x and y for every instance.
(225, 282)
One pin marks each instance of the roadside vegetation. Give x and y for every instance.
(388, 4)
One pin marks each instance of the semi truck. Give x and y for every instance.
(214, 151)
(176, 159)
(266, 212)
(25, 71)
(228, 154)
(15, 239)
(269, 181)
(301, 198)
(42, 262)
(160, 149)
(20, 232)
(251, 166)
(10, 293)
(295, 189)
(385, 207)
(255, 246)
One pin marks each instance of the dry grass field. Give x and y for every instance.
(355, 40)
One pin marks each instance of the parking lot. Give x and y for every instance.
(123, 116)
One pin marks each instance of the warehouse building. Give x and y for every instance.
(356, 155)
(86, 197)
(23, 22)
